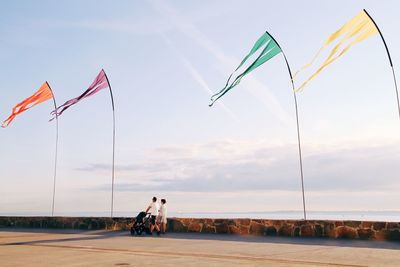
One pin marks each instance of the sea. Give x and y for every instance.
(387, 216)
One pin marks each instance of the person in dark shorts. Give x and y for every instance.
(153, 210)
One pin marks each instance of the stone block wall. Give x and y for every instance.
(291, 228)
(78, 223)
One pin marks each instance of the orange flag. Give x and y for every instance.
(43, 94)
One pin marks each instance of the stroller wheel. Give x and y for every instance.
(139, 231)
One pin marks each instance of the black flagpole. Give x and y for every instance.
(390, 60)
(298, 129)
(56, 152)
(113, 154)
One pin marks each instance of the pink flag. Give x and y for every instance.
(99, 83)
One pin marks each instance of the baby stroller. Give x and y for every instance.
(141, 224)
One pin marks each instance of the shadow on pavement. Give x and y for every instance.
(289, 240)
(87, 235)
(105, 234)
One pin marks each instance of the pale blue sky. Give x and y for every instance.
(163, 58)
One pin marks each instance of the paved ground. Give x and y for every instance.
(19, 247)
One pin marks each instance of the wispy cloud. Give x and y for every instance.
(237, 166)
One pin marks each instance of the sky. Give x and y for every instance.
(164, 59)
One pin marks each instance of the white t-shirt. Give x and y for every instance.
(163, 211)
(163, 214)
(153, 208)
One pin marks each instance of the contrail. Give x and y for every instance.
(189, 29)
(197, 76)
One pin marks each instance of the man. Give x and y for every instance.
(163, 216)
(153, 210)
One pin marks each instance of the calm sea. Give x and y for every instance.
(389, 216)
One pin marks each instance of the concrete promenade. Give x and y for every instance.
(31, 247)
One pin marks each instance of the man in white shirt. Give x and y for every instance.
(153, 210)
(163, 216)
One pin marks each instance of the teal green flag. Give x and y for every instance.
(269, 48)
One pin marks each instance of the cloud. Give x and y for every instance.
(230, 166)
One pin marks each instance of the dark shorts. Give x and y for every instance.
(153, 219)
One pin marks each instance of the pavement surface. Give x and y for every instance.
(30, 247)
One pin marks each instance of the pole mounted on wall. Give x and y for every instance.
(55, 155)
(298, 130)
(113, 147)
(43, 94)
(266, 47)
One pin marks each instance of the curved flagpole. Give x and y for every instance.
(113, 154)
(298, 137)
(298, 129)
(390, 60)
(56, 152)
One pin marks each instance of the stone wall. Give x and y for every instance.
(289, 228)
(81, 223)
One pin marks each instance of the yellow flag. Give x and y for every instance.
(357, 29)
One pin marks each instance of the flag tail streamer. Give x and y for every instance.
(268, 47)
(354, 31)
(43, 94)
